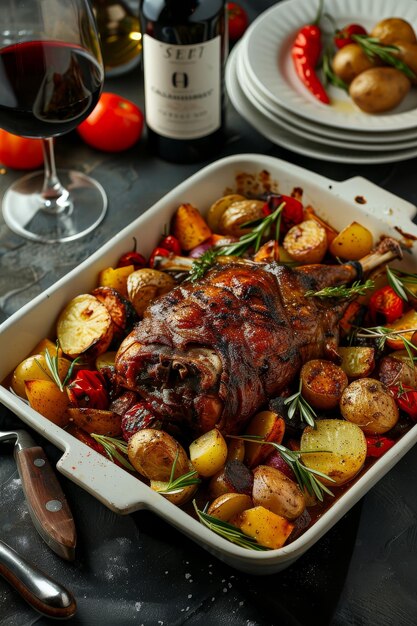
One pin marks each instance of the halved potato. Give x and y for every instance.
(145, 285)
(153, 452)
(84, 325)
(336, 448)
(306, 242)
(237, 214)
(322, 383)
(218, 208)
(181, 496)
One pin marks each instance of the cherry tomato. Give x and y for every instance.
(292, 213)
(20, 153)
(385, 304)
(88, 390)
(132, 258)
(406, 399)
(238, 20)
(157, 252)
(169, 242)
(115, 124)
(377, 445)
(344, 35)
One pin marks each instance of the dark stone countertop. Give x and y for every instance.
(138, 570)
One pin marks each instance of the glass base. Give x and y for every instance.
(25, 212)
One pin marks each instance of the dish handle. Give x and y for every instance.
(374, 199)
(120, 491)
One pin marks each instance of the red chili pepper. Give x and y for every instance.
(305, 53)
(385, 304)
(377, 445)
(88, 390)
(292, 213)
(132, 258)
(171, 243)
(344, 35)
(406, 399)
(157, 252)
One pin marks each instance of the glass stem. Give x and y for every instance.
(54, 195)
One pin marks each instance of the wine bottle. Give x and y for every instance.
(185, 47)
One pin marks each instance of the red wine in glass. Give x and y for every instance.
(51, 77)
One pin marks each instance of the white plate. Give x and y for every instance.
(276, 133)
(310, 126)
(337, 139)
(116, 488)
(268, 42)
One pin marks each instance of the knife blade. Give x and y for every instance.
(40, 591)
(47, 504)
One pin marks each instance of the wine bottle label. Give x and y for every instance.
(182, 88)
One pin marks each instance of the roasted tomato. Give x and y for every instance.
(238, 20)
(114, 125)
(88, 390)
(20, 153)
(344, 36)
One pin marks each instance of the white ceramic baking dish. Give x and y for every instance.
(339, 203)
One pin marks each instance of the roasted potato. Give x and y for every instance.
(229, 505)
(189, 226)
(84, 326)
(392, 29)
(368, 404)
(397, 371)
(357, 361)
(407, 52)
(35, 368)
(379, 89)
(346, 445)
(233, 218)
(181, 496)
(145, 285)
(322, 383)
(208, 453)
(98, 421)
(353, 242)
(267, 425)
(121, 310)
(306, 242)
(47, 399)
(276, 492)
(268, 528)
(219, 207)
(116, 278)
(350, 61)
(153, 452)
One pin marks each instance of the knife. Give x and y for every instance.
(46, 501)
(39, 590)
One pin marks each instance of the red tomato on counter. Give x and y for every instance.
(238, 20)
(114, 125)
(20, 153)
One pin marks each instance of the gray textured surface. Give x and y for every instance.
(137, 570)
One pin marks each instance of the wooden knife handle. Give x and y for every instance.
(39, 590)
(47, 504)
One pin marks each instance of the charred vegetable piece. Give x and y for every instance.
(121, 310)
(139, 417)
(267, 426)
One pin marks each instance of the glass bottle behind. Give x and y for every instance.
(184, 53)
(120, 35)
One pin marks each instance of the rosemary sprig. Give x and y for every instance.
(374, 48)
(115, 449)
(226, 530)
(328, 72)
(296, 403)
(399, 280)
(306, 477)
(53, 367)
(382, 333)
(342, 291)
(238, 248)
(176, 485)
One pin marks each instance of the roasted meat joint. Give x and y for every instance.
(212, 353)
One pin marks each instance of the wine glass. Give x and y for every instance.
(51, 77)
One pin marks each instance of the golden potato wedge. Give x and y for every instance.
(208, 453)
(228, 505)
(232, 220)
(84, 326)
(189, 226)
(145, 285)
(153, 452)
(268, 528)
(97, 421)
(267, 425)
(306, 242)
(352, 243)
(46, 344)
(322, 383)
(367, 403)
(357, 361)
(46, 398)
(346, 445)
(35, 368)
(116, 278)
(218, 208)
(276, 492)
(406, 322)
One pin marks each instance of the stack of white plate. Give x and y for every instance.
(264, 88)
